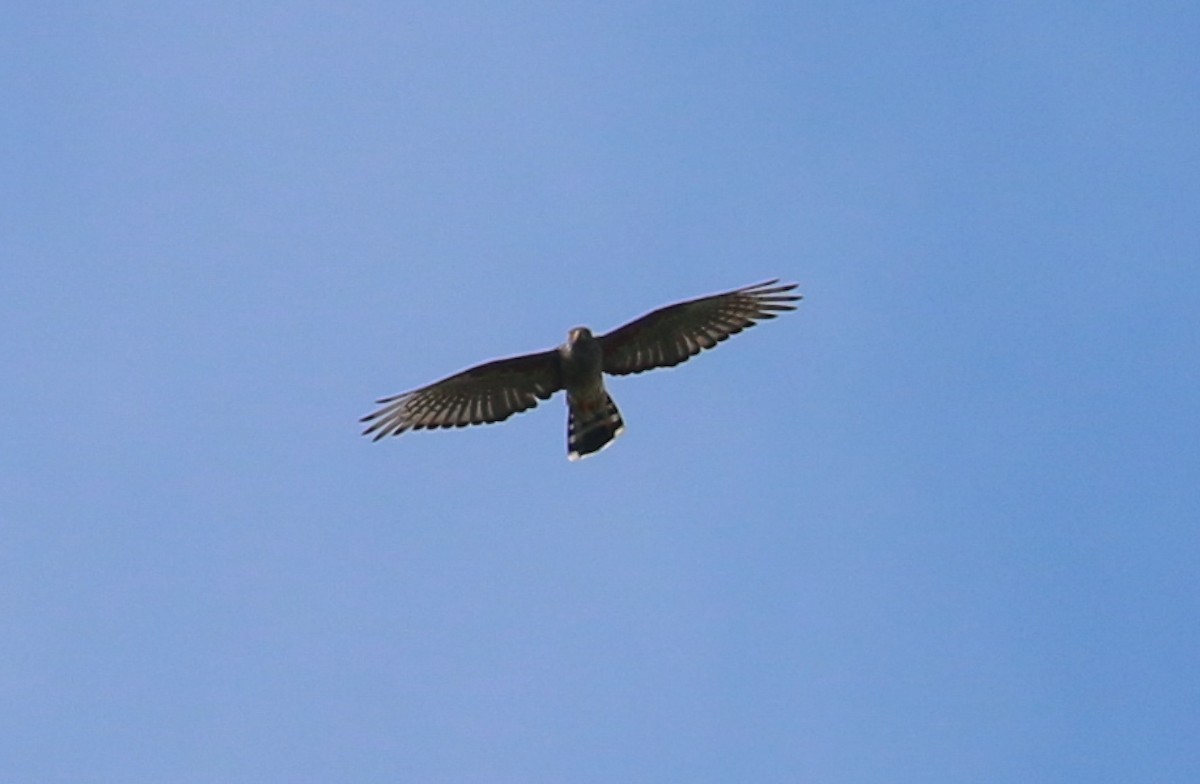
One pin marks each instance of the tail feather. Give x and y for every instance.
(590, 429)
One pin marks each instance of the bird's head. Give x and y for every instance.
(578, 335)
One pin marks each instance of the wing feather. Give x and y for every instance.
(491, 392)
(670, 335)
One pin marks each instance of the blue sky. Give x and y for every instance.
(940, 524)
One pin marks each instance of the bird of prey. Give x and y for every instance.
(494, 391)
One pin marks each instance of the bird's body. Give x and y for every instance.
(593, 419)
(582, 363)
(496, 390)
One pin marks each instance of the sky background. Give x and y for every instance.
(938, 525)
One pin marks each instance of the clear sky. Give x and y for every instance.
(938, 525)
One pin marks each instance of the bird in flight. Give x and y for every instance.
(494, 391)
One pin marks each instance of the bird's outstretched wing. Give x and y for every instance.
(487, 393)
(672, 334)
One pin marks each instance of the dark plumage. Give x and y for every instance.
(496, 390)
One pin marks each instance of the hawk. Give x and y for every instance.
(494, 391)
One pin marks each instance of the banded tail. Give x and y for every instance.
(591, 425)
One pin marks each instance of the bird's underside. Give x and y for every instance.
(494, 391)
